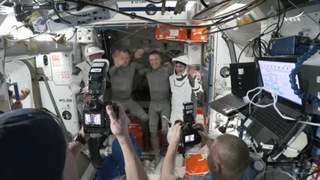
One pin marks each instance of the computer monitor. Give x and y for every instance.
(275, 77)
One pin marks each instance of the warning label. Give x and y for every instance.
(55, 59)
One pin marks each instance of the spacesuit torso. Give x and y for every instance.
(79, 79)
(121, 81)
(159, 85)
(182, 91)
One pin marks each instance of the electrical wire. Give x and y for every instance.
(17, 40)
(168, 24)
(55, 10)
(154, 2)
(272, 171)
(301, 10)
(141, 17)
(262, 34)
(275, 99)
(3, 2)
(204, 4)
(237, 26)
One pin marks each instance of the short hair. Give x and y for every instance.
(125, 51)
(155, 53)
(234, 154)
(1, 112)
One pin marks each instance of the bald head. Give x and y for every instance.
(232, 154)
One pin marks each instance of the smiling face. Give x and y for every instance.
(155, 61)
(179, 68)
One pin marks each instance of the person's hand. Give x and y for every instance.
(139, 53)
(117, 59)
(119, 127)
(16, 105)
(84, 135)
(198, 75)
(25, 91)
(167, 64)
(192, 70)
(86, 98)
(204, 135)
(175, 135)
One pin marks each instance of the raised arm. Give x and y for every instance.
(196, 86)
(23, 94)
(169, 68)
(144, 71)
(140, 66)
(119, 128)
(113, 71)
(117, 63)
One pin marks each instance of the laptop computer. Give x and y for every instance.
(243, 79)
(265, 125)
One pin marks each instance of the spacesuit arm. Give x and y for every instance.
(113, 71)
(195, 85)
(75, 81)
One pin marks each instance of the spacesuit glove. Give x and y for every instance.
(192, 80)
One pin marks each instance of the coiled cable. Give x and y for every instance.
(296, 70)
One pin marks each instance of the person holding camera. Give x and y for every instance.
(79, 78)
(42, 153)
(119, 128)
(121, 78)
(185, 87)
(228, 157)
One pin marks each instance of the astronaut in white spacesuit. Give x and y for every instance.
(79, 79)
(185, 87)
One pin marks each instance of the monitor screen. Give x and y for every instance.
(275, 76)
(92, 119)
(189, 138)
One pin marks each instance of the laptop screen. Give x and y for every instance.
(275, 76)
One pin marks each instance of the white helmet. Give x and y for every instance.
(92, 49)
(185, 59)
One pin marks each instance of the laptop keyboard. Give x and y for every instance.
(269, 118)
(232, 101)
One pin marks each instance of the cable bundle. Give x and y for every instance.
(296, 70)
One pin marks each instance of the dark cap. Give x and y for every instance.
(32, 146)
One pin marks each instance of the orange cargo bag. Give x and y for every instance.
(135, 128)
(196, 166)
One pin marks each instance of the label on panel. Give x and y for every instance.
(60, 68)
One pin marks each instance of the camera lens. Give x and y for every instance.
(93, 105)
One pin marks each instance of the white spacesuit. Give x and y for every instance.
(184, 88)
(79, 79)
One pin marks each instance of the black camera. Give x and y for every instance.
(189, 134)
(95, 117)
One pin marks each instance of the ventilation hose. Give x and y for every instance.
(296, 70)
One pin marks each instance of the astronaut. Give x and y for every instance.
(185, 87)
(159, 86)
(121, 78)
(79, 79)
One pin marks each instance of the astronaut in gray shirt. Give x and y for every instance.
(121, 79)
(158, 80)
